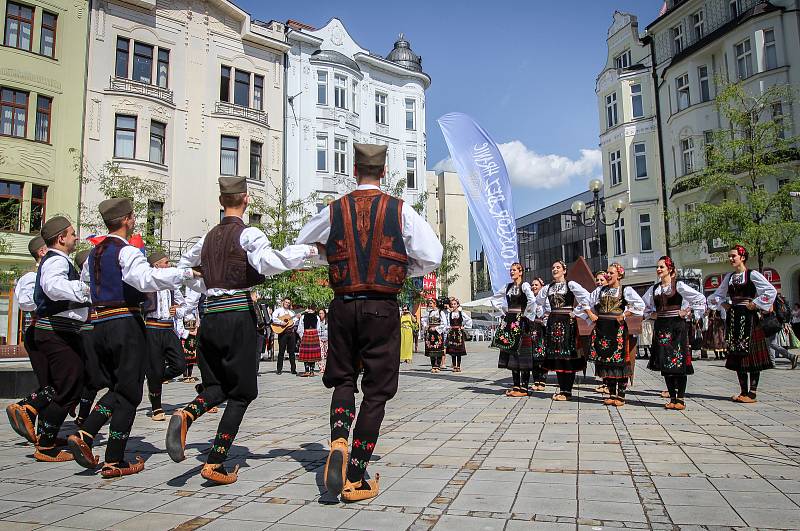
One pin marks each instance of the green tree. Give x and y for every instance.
(742, 161)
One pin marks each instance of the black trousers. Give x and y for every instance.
(287, 341)
(121, 348)
(37, 359)
(362, 333)
(166, 360)
(230, 373)
(62, 351)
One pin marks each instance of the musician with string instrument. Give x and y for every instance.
(284, 321)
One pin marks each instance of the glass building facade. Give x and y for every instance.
(555, 233)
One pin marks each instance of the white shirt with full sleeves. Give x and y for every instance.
(55, 283)
(581, 297)
(634, 303)
(423, 248)
(691, 298)
(23, 291)
(765, 291)
(466, 319)
(442, 327)
(500, 301)
(138, 273)
(260, 255)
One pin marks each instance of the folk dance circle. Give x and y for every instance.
(106, 320)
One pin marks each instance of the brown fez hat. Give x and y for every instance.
(35, 244)
(115, 208)
(155, 256)
(232, 185)
(55, 226)
(370, 155)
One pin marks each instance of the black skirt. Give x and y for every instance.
(608, 349)
(671, 353)
(560, 344)
(748, 349)
(456, 344)
(521, 357)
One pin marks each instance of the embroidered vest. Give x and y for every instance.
(365, 249)
(224, 262)
(516, 301)
(665, 303)
(45, 306)
(560, 300)
(105, 275)
(611, 304)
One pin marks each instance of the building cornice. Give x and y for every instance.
(393, 68)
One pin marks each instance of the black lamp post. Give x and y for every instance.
(597, 217)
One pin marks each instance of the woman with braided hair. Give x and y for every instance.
(745, 295)
(671, 302)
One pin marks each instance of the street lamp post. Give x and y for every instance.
(597, 217)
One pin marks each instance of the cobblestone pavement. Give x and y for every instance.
(453, 454)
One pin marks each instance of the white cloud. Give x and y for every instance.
(533, 170)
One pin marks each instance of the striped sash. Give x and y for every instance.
(239, 302)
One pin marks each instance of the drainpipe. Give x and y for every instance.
(85, 95)
(664, 196)
(285, 123)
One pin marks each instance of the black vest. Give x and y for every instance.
(665, 303)
(45, 306)
(150, 303)
(365, 249)
(223, 260)
(518, 301)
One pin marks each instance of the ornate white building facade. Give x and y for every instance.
(179, 93)
(629, 143)
(339, 93)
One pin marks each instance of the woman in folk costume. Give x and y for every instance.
(457, 321)
(513, 339)
(612, 349)
(406, 336)
(563, 301)
(435, 327)
(600, 280)
(322, 328)
(745, 294)
(714, 334)
(310, 348)
(671, 302)
(537, 331)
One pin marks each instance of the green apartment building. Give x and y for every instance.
(42, 86)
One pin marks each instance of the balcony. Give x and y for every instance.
(237, 111)
(129, 86)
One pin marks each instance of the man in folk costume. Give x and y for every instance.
(119, 275)
(22, 415)
(372, 242)
(284, 317)
(234, 258)
(62, 302)
(166, 357)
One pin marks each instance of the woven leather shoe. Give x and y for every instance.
(216, 473)
(352, 492)
(176, 435)
(336, 466)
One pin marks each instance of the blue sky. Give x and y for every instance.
(525, 70)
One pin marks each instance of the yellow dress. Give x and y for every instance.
(406, 337)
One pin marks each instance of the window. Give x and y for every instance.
(225, 84)
(13, 113)
(255, 219)
(411, 122)
(258, 92)
(355, 96)
(733, 8)
(636, 100)
(229, 155)
(687, 150)
(47, 41)
(38, 202)
(682, 91)
(615, 164)
(162, 74)
(255, 160)
(241, 89)
(43, 110)
(142, 62)
(619, 237)
(611, 110)
(705, 92)
(640, 159)
(698, 20)
(411, 172)
(744, 59)
(123, 47)
(10, 203)
(677, 39)
(770, 53)
(322, 153)
(340, 155)
(125, 137)
(777, 119)
(155, 219)
(340, 92)
(380, 108)
(322, 87)
(158, 135)
(645, 235)
(623, 60)
(19, 26)
(708, 141)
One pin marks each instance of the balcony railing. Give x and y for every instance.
(120, 84)
(230, 109)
